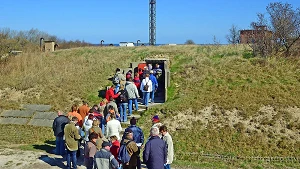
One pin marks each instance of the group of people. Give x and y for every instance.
(127, 88)
(98, 129)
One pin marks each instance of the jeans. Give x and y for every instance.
(130, 105)
(60, 148)
(71, 156)
(103, 122)
(146, 97)
(167, 166)
(152, 96)
(123, 109)
(117, 88)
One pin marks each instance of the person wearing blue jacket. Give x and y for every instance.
(138, 137)
(155, 151)
(154, 85)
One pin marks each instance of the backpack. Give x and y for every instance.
(116, 79)
(123, 97)
(123, 155)
(146, 87)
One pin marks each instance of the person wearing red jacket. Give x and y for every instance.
(110, 93)
(114, 149)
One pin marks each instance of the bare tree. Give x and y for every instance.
(285, 23)
(261, 37)
(234, 35)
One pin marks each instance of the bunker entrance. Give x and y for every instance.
(161, 70)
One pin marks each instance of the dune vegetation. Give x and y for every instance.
(221, 101)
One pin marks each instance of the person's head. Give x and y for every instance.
(113, 116)
(96, 123)
(151, 71)
(147, 75)
(157, 65)
(106, 145)
(118, 70)
(133, 121)
(136, 75)
(95, 107)
(85, 103)
(74, 119)
(129, 134)
(59, 113)
(145, 68)
(74, 107)
(104, 102)
(154, 131)
(93, 137)
(111, 109)
(163, 130)
(90, 116)
(155, 119)
(130, 71)
(113, 138)
(130, 79)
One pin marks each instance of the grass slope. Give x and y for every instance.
(222, 77)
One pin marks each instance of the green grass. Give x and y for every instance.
(228, 77)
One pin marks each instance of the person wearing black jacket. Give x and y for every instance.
(58, 129)
(122, 102)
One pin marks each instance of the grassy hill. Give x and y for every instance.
(221, 100)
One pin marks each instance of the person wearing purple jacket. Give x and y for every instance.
(155, 152)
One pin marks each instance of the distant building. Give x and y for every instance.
(128, 44)
(254, 35)
(49, 46)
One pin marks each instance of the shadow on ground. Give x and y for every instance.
(49, 146)
(53, 161)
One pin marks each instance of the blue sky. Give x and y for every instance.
(128, 20)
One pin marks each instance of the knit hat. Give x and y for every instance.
(105, 143)
(155, 119)
(133, 121)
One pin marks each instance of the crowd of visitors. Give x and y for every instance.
(98, 128)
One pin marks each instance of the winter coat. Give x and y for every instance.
(148, 82)
(138, 135)
(155, 153)
(97, 130)
(133, 152)
(86, 126)
(137, 82)
(113, 128)
(76, 114)
(114, 149)
(83, 111)
(154, 82)
(111, 93)
(168, 139)
(71, 136)
(119, 99)
(132, 90)
(59, 124)
(89, 153)
(105, 160)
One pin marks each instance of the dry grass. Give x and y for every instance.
(225, 77)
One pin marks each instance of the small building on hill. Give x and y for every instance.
(128, 44)
(254, 35)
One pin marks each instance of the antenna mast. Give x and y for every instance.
(152, 22)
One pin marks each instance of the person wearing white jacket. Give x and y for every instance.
(88, 123)
(146, 88)
(113, 127)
